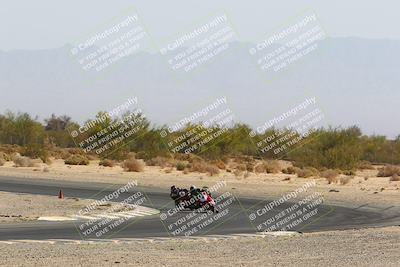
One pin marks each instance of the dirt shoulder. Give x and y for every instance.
(16, 207)
(367, 247)
(364, 188)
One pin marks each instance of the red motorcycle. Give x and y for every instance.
(206, 201)
(193, 201)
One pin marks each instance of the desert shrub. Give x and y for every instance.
(379, 149)
(180, 166)
(131, 155)
(237, 173)
(225, 159)
(59, 153)
(107, 163)
(395, 178)
(10, 149)
(349, 172)
(259, 168)
(212, 170)
(307, 172)
(345, 180)
(182, 156)
(92, 156)
(2, 161)
(75, 151)
(249, 167)
(119, 154)
(241, 167)
(198, 166)
(204, 167)
(132, 165)
(77, 160)
(35, 151)
(268, 166)
(194, 158)
(244, 163)
(330, 175)
(160, 161)
(220, 164)
(365, 165)
(142, 155)
(290, 170)
(15, 155)
(24, 162)
(273, 166)
(4, 156)
(388, 171)
(331, 148)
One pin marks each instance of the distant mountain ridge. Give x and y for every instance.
(355, 81)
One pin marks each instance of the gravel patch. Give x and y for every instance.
(367, 247)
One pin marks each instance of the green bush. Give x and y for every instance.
(342, 148)
(332, 148)
(36, 151)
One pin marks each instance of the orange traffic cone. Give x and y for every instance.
(61, 195)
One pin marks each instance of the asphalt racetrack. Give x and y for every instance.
(238, 215)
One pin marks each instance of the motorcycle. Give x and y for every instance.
(185, 200)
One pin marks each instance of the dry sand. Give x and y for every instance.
(16, 207)
(367, 247)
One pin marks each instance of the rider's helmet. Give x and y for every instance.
(205, 189)
(192, 188)
(173, 187)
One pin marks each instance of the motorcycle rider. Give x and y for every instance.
(174, 192)
(194, 191)
(205, 189)
(200, 197)
(178, 194)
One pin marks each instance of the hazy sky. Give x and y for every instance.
(47, 23)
